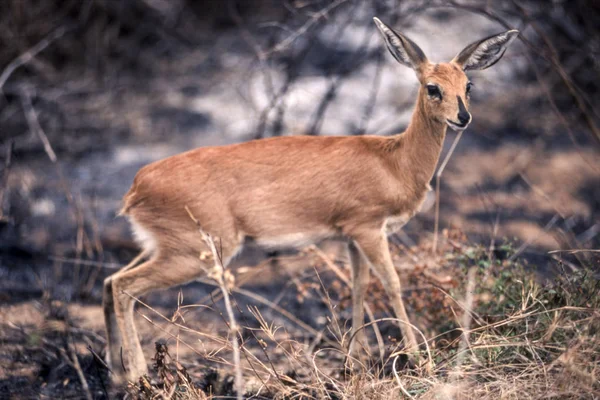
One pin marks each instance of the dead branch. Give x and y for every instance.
(374, 91)
(438, 177)
(72, 360)
(292, 72)
(339, 71)
(533, 239)
(284, 44)
(83, 241)
(30, 54)
(34, 124)
(4, 186)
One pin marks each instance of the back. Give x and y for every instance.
(269, 187)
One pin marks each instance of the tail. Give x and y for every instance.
(129, 200)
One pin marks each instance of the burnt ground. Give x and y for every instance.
(513, 180)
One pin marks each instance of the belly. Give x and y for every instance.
(293, 240)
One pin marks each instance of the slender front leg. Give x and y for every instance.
(374, 246)
(360, 282)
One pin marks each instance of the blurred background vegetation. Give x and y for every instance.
(91, 90)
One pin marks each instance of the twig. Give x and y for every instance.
(30, 54)
(34, 124)
(91, 263)
(331, 265)
(264, 351)
(398, 379)
(304, 28)
(330, 306)
(292, 72)
(370, 106)
(430, 361)
(574, 251)
(283, 312)
(4, 187)
(532, 240)
(74, 362)
(218, 273)
(467, 317)
(252, 42)
(173, 336)
(341, 72)
(83, 241)
(438, 177)
(328, 377)
(245, 278)
(99, 360)
(216, 339)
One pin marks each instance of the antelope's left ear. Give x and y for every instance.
(404, 50)
(485, 53)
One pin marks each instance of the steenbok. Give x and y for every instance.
(293, 191)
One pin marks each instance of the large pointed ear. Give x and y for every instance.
(485, 53)
(402, 48)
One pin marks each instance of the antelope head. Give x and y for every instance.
(445, 88)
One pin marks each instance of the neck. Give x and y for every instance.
(421, 144)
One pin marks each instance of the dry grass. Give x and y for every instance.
(175, 381)
(499, 335)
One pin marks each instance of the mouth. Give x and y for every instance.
(456, 126)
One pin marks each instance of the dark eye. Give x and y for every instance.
(469, 87)
(434, 91)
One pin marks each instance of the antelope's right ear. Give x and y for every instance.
(486, 52)
(404, 50)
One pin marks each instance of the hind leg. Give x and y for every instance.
(160, 272)
(156, 273)
(113, 336)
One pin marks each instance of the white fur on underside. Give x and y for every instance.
(293, 240)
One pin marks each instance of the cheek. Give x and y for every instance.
(436, 110)
(445, 108)
(435, 107)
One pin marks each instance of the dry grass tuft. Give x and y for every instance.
(173, 380)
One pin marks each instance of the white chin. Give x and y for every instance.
(455, 127)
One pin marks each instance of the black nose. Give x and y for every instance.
(464, 117)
